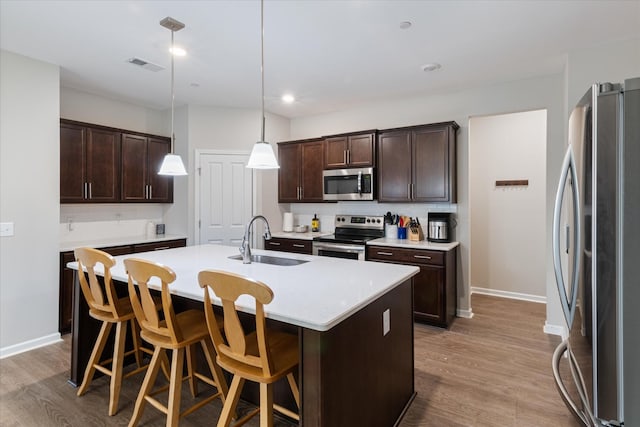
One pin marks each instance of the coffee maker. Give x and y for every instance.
(439, 227)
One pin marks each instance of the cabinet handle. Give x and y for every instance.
(297, 245)
(385, 253)
(422, 256)
(348, 156)
(90, 192)
(409, 190)
(150, 191)
(162, 248)
(344, 156)
(84, 191)
(274, 243)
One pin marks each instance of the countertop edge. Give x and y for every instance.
(117, 241)
(412, 244)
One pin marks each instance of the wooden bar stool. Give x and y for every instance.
(263, 356)
(176, 332)
(106, 306)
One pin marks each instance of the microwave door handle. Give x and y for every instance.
(360, 183)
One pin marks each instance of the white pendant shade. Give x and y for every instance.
(262, 157)
(172, 165)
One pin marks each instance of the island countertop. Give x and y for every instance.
(318, 294)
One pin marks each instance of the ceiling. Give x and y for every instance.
(332, 54)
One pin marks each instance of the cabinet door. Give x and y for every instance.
(394, 166)
(161, 187)
(361, 152)
(431, 165)
(428, 287)
(335, 152)
(289, 173)
(65, 302)
(72, 163)
(134, 168)
(103, 166)
(311, 172)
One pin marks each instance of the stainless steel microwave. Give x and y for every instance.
(348, 184)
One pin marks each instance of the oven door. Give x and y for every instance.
(339, 250)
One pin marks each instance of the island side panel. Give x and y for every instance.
(353, 374)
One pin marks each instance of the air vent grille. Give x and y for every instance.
(145, 64)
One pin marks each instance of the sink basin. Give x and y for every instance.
(267, 259)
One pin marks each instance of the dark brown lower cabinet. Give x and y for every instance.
(434, 287)
(65, 302)
(283, 244)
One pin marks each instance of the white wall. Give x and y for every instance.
(30, 198)
(507, 224)
(96, 109)
(232, 130)
(539, 93)
(611, 62)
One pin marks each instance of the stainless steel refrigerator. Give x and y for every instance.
(596, 257)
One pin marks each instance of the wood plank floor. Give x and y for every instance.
(492, 370)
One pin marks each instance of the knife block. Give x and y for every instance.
(415, 233)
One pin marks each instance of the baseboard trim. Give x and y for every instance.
(12, 350)
(558, 330)
(507, 294)
(467, 314)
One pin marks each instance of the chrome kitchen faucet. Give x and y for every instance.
(245, 248)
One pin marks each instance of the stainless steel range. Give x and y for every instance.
(350, 236)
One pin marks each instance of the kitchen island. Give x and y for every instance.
(354, 320)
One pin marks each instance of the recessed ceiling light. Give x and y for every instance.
(194, 84)
(178, 51)
(288, 98)
(405, 24)
(431, 67)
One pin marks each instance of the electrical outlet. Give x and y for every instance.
(6, 229)
(386, 322)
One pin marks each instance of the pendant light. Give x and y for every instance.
(172, 164)
(262, 156)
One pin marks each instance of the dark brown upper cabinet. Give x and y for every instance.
(346, 151)
(300, 173)
(418, 163)
(141, 160)
(99, 164)
(89, 164)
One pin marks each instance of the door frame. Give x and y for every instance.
(196, 202)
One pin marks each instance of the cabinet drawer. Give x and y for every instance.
(288, 245)
(158, 246)
(411, 256)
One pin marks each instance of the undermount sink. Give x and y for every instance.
(267, 259)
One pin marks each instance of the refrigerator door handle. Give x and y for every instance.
(583, 415)
(568, 307)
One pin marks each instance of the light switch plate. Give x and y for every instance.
(386, 322)
(6, 229)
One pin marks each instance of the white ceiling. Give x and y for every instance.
(330, 54)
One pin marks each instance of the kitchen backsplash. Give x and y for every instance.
(303, 212)
(86, 222)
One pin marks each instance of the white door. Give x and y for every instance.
(225, 197)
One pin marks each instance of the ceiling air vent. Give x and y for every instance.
(145, 64)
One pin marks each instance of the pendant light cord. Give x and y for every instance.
(262, 62)
(173, 135)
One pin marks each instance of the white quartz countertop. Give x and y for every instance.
(117, 241)
(317, 295)
(412, 244)
(309, 235)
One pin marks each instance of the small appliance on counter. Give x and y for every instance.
(439, 227)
